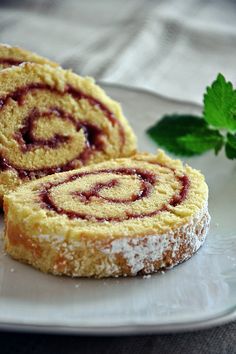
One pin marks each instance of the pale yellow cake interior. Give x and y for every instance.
(24, 204)
(20, 55)
(12, 117)
(70, 223)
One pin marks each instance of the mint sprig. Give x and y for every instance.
(185, 135)
(220, 104)
(230, 146)
(189, 135)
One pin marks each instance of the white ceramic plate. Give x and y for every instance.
(196, 294)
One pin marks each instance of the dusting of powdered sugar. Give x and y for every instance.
(138, 252)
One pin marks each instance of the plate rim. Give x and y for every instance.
(118, 330)
(128, 329)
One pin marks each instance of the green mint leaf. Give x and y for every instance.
(230, 146)
(220, 104)
(230, 151)
(231, 139)
(202, 141)
(185, 135)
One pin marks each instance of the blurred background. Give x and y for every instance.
(173, 47)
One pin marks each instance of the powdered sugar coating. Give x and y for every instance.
(126, 255)
(141, 253)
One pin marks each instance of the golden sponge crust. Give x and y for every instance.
(13, 56)
(118, 238)
(47, 95)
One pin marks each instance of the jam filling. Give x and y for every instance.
(10, 61)
(20, 94)
(27, 141)
(147, 182)
(146, 179)
(4, 165)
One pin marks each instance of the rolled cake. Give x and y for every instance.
(13, 56)
(52, 120)
(121, 217)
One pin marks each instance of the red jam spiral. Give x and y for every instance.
(113, 178)
(94, 136)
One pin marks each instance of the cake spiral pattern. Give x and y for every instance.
(120, 217)
(52, 120)
(14, 56)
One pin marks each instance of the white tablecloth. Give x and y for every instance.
(173, 47)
